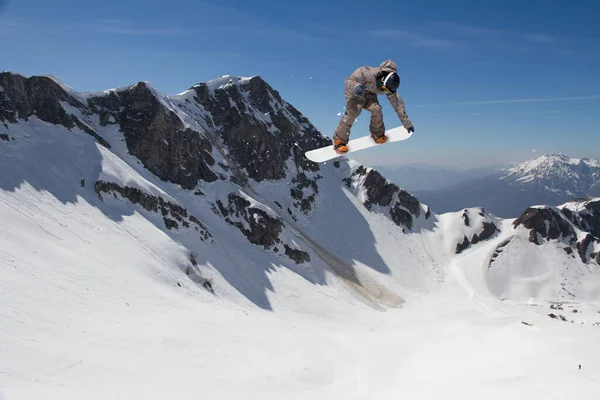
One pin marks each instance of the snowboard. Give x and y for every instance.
(327, 153)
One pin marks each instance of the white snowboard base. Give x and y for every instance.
(328, 153)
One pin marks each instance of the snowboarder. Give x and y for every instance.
(362, 88)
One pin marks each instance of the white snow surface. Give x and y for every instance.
(96, 302)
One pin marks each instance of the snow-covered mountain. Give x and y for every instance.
(557, 173)
(161, 246)
(549, 179)
(418, 176)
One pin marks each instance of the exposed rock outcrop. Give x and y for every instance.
(497, 252)
(157, 136)
(479, 220)
(258, 226)
(40, 96)
(583, 246)
(588, 219)
(403, 207)
(173, 214)
(552, 223)
(298, 256)
(252, 115)
(545, 223)
(304, 191)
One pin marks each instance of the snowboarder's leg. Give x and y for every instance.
(376, 126)
(354, 106)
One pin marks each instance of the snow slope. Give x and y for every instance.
(101, 300)
(81, 323)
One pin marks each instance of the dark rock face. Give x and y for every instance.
(583, 246)
(547, 223)
(498, 251)
(21, 98)
(7, 109)
(173, 214)
(301, 182)
(550, 224)
(379, 190)
(170, 224)
(465, 217)
(107, 106)
(488, 230)
(588, 221)
(298, 256)
(158, 137)
(264, 123)
(401, 216)
(403, 205)
(258, 227)
(24, 97)
(462, 246)
(409, 202)
(262, 230)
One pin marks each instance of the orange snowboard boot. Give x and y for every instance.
(340, 147)
(379, 140)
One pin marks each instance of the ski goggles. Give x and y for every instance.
(393, 80)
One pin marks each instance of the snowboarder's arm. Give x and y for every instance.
(356, 79)
(398, 105)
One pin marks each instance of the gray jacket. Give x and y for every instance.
(367, 76)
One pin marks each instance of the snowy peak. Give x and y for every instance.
(557, 173)
(261, 130)
(549, 161)
(225, 80)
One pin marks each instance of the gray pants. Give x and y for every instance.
(354, 106)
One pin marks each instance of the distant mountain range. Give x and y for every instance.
(550, 179)
(420, 176)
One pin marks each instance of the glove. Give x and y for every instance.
(359, 90)
(410, 129)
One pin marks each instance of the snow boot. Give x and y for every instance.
(340, 147)
(379, 140)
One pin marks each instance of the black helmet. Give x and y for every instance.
(388, 82)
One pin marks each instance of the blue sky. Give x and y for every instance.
(484, 82)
